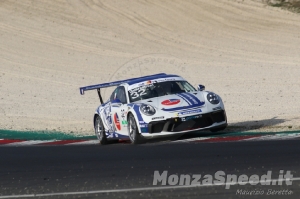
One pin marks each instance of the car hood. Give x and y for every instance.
(177, 101)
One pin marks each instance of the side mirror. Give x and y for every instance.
(116, 102)
(201, 87)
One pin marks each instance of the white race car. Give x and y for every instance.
(154, 106)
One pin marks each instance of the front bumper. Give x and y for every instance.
(189, 123)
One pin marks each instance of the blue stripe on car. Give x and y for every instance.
(141, 121)
(136, 108)
(182, 97)
(193, 99)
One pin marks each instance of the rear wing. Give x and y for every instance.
(115, 83)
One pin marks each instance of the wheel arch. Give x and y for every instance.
(136, 120)
(94, 120)
(128, 113)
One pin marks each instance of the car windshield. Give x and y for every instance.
(157, 89)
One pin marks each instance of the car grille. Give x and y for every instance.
(176, 125)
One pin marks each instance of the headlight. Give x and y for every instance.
(147, 109)
(213, 98)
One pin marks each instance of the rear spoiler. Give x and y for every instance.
(115, 83)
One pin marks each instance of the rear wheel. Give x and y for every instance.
(133, 132)
(100, 130)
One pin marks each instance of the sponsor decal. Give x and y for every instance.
(166, 79)
(117, 121)
(157, 118)
(144, 129)
(150, 82)
(124, 123)
(190, 112)
(116, 106)
(108, 120)
(190, 117)
(123, 114)
(170, 102)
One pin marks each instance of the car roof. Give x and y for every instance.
(150, 78)
(128, 82)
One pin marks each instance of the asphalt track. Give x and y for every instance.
(71, 169)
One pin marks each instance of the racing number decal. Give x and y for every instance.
(117, 121)
(137, 93)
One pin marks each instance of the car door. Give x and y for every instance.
(119, 111)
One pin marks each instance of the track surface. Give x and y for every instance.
(246, 52)
(36, 170)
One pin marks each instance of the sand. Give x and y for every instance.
(245, 51)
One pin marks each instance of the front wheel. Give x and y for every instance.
(100, 130)
(221, 128)
(133, 132)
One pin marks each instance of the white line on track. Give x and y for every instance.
(139, 189)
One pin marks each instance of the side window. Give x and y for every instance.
(187, 87)
(121, 95)
(113, 95)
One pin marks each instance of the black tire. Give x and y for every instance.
(132, 128)
(100, 130)
(220, 128)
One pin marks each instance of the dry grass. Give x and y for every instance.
(292, 5)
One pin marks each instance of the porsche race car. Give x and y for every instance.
(154, 106)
